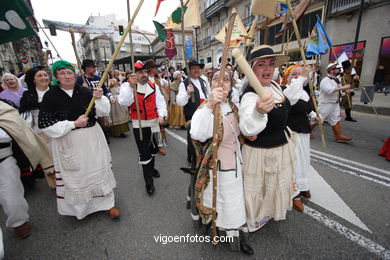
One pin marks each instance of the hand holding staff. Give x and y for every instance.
(217, 122)
(294, 23)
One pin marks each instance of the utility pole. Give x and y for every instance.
(130, 36)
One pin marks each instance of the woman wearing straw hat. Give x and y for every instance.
(82, 159)
(268, 151)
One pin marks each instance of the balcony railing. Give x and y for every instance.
(215, 9)
(207, 41)
(338, 6)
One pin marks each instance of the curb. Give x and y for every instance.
(384, 111)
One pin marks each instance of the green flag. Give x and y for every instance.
(13, 22)
(160, 31)
(176, 15)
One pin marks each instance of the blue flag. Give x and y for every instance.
(319, 40)
(188, 49)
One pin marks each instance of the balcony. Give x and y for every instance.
(344, 6)
(207, 41)
(215, 9)
(202, 16)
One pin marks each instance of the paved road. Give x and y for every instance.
(317, 233)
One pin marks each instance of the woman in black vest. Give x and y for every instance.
(268, 152)
(299, 121)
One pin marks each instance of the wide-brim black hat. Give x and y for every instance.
(88, 63)
(346, 64)
(265, 51)
(195, 63)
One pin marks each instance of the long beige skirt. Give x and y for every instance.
(268, 183)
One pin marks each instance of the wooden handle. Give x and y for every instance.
(247, 70)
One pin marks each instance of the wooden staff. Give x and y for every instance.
(101, 82)
(294, 23)
(217, 122)
(247, 70)
(77, 56)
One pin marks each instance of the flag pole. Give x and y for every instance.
(131, 44)
(116, 52)
(184, 46)
(294, 23)
(217, 122)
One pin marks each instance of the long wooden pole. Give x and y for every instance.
(217, 122)
(77, 56)
(116, 52)
(294, 23)
(131, 46)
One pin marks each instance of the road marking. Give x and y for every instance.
(332, 224)
(351, 162)
(331, 165)
(348, 233)
(325, 196)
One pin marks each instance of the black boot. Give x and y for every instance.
(348, 115)
(245, 248)
(156, 173)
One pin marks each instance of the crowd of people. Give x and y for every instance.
(263, 141)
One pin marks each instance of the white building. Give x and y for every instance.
(101, 47)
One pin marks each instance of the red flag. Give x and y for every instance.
(170, 46)
(157, 7)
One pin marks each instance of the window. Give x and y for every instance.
(305, 26)
(247, 10)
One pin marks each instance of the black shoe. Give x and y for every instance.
(246, 249)
(350, 119)
(156, 174)
(150, 189)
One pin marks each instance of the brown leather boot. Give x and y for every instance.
(162, 151)
(114, 212)
(297, 204)
(23, 231)
(338, 134)
(306, 194)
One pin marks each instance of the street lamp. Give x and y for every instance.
(196, 42)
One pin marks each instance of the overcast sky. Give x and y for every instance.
(78, 11)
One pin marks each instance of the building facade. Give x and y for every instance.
(340, 18)
(341, 25)
(101, 47)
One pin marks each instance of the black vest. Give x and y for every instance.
(274, 133)
(190, 108)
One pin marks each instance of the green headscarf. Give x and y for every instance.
(61, 64)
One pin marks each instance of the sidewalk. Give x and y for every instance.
(380, 102)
